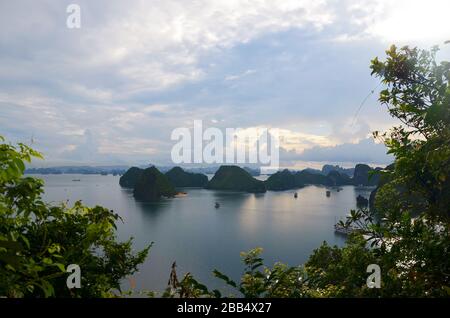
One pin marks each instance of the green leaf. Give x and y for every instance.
(61, 267)
(20, 165)
(26, 241)
(224, 278)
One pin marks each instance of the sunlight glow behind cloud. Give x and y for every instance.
(413, 21)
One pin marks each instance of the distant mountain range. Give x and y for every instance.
(326, 169)
(116, 170)
(121, 169)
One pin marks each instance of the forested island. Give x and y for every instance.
(180, 178)
(234, 178)
(150, 184)
(286, 179)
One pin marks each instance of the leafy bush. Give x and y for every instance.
(38, 241)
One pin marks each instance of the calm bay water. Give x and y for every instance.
(200, 238)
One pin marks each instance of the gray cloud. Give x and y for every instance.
(365, 151)
(138, 69)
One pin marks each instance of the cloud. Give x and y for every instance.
(411, 21)
(365, 151)
(136, 70)
(239, 76)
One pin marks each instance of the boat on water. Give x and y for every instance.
(339, 228)
(75, 180)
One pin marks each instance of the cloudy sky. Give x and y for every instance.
(112, 91)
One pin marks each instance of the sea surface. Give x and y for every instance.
(200, 237)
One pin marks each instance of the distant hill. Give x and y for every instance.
(281, 180)
(253, 171)
(305, 177)
(313, 171)
(362, 202)
(383, 179)
(236, 179)
(285, 180)
(129, 179)
(326, 169)
(204, 170)
(152, 185)
(335, 178)
(180, 178)
(362, 175)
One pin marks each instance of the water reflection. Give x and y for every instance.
(201, 237)
(151, 210)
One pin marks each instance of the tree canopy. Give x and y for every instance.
(38, 241)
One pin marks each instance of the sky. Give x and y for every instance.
(113, 90)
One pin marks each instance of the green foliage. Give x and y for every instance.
(281, 281)
(38, 241)
(365, 175)
(340, 272)
(408, 235)
(261, 281)
(189, 288)
(411, 225)
(418, 94)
